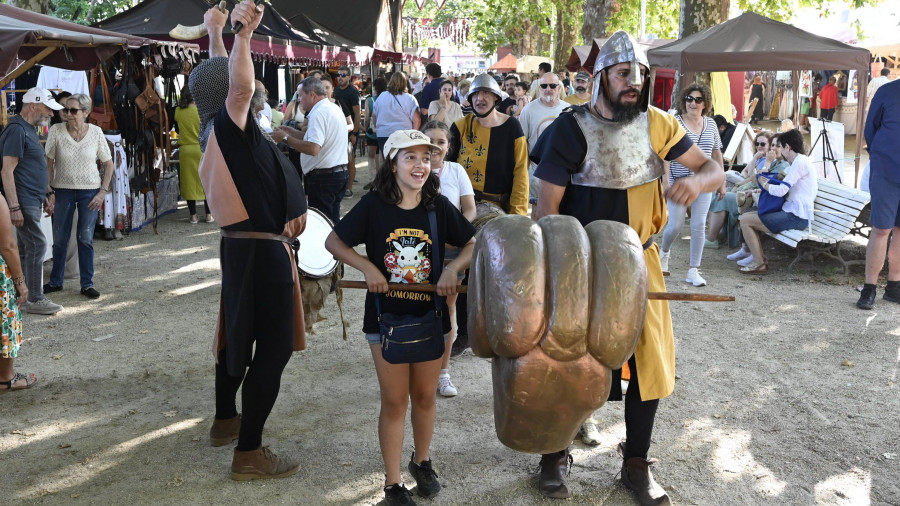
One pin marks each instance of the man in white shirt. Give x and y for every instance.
(876, 83)
(536, 116)
(323, 150)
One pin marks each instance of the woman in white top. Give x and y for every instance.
(73, 149)
(395, 110)
(443, 109)
(456, 186)
(702, 129)
(797, 211)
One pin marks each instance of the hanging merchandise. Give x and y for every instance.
(421, 29)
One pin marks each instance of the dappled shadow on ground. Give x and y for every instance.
(788, 396)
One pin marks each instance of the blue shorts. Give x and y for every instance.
(885, 203)
(376, 338)
(779, 221)
(450, 254)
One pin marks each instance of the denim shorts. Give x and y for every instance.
(450, 254)
(885, 203)
(376, 338)
(779, 221)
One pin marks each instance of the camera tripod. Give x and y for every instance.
(827, 152)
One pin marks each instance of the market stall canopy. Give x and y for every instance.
(25, 35)
(275, 36)
(577, 58)
(374, 23)
(508, 63)
(754, 42)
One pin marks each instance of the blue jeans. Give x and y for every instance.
(66, 202)
(324, 191)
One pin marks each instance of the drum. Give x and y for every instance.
(313, 260)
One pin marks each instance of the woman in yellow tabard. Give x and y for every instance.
(492, 148)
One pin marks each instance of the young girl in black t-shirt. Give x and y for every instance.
(392, 221)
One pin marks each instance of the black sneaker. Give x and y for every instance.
(892, 292)
(427, 484)
(866, 297)
(48, 288)
(90, 292)
(398, 495)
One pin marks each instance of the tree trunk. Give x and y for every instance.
(596, 12)
(567, 14)
(696, 16)
(39, 6)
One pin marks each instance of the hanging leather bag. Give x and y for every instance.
(149, 101)
(102, 115)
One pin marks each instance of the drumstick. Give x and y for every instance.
(691, 297)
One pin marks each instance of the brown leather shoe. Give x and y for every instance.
(554, 469)
(224, 431)
(261, 464)
(637, 478)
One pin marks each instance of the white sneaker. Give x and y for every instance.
(694, 277)
(664, 260)
(588, 433)
(445, 387)
(745, 262)
(42, 306)
(739, 254)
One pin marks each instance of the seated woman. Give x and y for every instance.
(726, 212)
(797, 211)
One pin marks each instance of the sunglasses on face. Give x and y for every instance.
(762, 144)
(342, 75)
(552, 86)
(691, 98)
(71, 111)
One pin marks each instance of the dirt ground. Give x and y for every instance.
(787, 396)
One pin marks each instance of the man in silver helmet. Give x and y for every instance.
(604, 162)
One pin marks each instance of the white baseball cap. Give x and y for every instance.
(41, 96)
(406, 139)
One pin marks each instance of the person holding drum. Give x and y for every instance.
(455, 185)
(394, 222)
(261, 207)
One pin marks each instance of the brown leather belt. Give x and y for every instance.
(490, 197)
(241, 234)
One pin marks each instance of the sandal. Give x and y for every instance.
(29, 380)
(755, 269)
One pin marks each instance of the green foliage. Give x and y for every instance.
(662, 18)
(86, 12)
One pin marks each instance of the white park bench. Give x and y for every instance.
(837, 210)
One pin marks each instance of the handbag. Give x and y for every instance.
(102, 115)
(407, 339)
(769, 203)
(149, 101)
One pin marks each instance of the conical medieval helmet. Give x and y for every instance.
(622, 48)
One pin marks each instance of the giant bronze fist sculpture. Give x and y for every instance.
(557, 306)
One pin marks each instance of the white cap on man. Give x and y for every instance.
(41, 96)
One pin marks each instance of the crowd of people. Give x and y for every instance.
(438, 151)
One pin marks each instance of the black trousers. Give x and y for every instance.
(192, 206)
(639, 414)
(273, 320)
